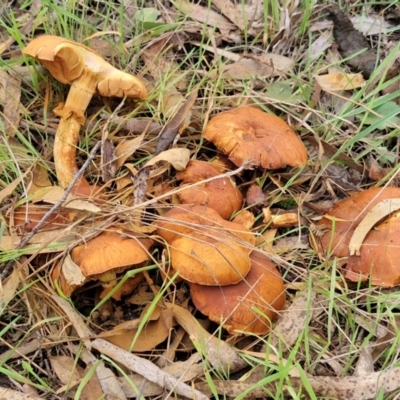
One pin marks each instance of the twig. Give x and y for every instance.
(7, 269)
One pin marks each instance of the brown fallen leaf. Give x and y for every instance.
(9, 189)
(177, 157)
(183, 370)
(109, 383)
(367, 387)
(9, 287)
(176, 124)
(128, 337)
(248, 16)
(10, 394)
(220, 355)
(66, 369)
(294, 320)
(10, 95)
(126, 148)
(374, 215)
(337, 81)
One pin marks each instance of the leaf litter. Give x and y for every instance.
(262, 75)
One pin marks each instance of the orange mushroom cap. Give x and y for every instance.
(249, 305)
(205, 248)
(379, 253)
(220, 194)
(249, 134)
(110, 251)
(342, 219)
(379, 256)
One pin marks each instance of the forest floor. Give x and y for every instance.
(330, 70)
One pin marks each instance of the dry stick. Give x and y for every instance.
(147, 369)
(7, 269)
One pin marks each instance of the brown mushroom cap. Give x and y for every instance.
(234, 305)
(110, 251)
(379, 256)
(249, 134)
(341, 221)
(220, 194)
(205, 248)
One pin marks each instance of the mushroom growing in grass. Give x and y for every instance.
(221, 194)
(102, 258)
(380, 251)
(75, 64)
(250, 135)
(205, 248)
(249, 305)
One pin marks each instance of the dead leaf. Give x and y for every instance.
(337, 81)
(9, 288)
(247, 68)
(367, 387)
(109, 383)
(108, 160)
(126, 148)
(10, 394)
(372, 24)
(294, 320)
(220, 355)
(365, 363)
(147, 369)
(10, 95)
(155, 331)
(288, 244)
(71, 272)
(55, 194)
(66, 369)
(177, 157)
(9, 189)
(183, 370)
(374, 215)
(40, 180)
(176, 124)
(268, 238)
(248, 16)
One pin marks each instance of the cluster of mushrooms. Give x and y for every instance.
(230, 281)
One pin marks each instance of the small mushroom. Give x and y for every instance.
(220, 194)
(249, 305)
(102, 258)
(87, 73)
(250, 135)
(204, 248)
(379, 253)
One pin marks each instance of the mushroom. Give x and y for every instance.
(87, 73)
(341, 220)
(379, 252)
(249, 305)
(204, 248)
(220, 194)
(250, 135)
(103, 258)
(378, 261)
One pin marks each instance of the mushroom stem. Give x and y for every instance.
(72, 115)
